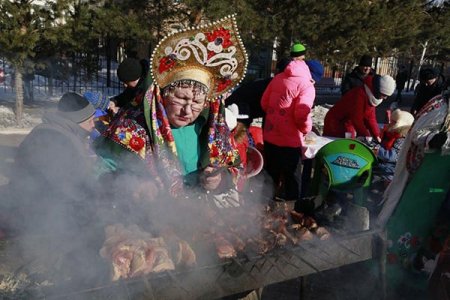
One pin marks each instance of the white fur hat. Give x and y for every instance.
(403, 120)
(387, 85)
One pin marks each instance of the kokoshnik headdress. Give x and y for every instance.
(211, 54)
(211, 57)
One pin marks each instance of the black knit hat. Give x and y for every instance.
(130, 69)
(75, 107)
(366, 61)
(428, 73)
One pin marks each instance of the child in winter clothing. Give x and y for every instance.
(102, 114)
(391, 143)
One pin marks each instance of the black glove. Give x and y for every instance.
(438, 140)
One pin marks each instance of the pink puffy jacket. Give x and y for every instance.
(287, 102)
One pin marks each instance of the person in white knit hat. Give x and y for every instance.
(354, 114)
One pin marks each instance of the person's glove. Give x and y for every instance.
(438, 140)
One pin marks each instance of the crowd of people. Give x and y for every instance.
(181, 126)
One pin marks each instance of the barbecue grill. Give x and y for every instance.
(210, 280)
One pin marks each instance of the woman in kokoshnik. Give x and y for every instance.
(415, 196)
(178, 129)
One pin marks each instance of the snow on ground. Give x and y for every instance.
(8, 119)
(32, 114)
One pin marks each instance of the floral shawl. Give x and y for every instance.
(157, 146)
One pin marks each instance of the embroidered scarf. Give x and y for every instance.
(161, 154)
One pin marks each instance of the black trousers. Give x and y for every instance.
(283, 164)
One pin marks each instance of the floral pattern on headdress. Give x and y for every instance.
(212, 54)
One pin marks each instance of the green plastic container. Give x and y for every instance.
(343, 165)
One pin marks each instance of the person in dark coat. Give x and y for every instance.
(248, 98)
(134, 74)
(400, 80)
(52, 173)
(358, 74)
(51, 200)
(248, 95)
(431, 84)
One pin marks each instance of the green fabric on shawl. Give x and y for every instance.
(115, 158)
(413, 220)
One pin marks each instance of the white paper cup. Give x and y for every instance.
(369, 139)
(348, 135)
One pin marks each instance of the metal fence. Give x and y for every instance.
(42, 86)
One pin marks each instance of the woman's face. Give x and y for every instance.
(183, 105)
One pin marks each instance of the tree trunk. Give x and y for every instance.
(19, 98)
(422, 57)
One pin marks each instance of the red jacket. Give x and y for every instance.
(353, 113)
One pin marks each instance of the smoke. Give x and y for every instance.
(60, 221)
(61, 210)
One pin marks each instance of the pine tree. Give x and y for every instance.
(21, 29)
(436, 31)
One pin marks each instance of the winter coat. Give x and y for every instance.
(387, 158)
(52, 177)
(352, 113)
(130, 93)
(425, 93)
(400, 79)
(353, 79)
(248, 98)
(287, 102)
